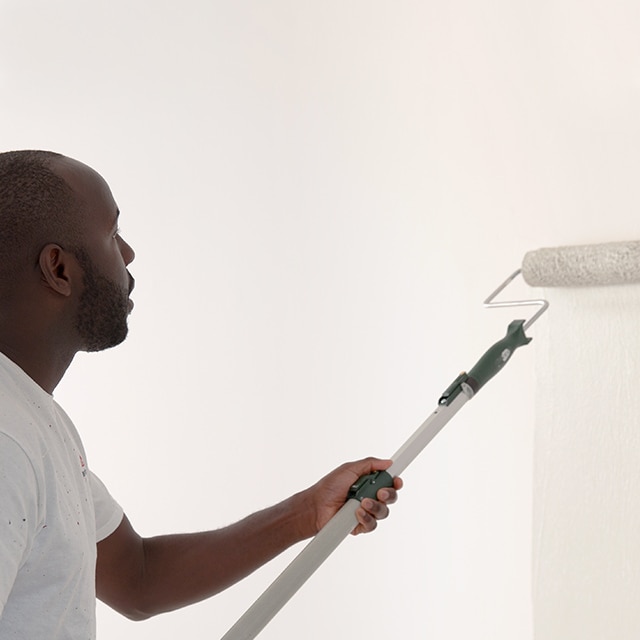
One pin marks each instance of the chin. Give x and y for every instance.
(102, 343)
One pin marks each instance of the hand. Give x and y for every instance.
(330, 493)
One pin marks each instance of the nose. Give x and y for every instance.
(128, 254)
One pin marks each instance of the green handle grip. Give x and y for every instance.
(497, 356)
(368, 486)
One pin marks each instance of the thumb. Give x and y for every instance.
(370, 464)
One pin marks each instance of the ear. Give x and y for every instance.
(56, 269)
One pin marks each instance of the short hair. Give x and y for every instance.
(37, 207)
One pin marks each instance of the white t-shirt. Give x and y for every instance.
(53, 511)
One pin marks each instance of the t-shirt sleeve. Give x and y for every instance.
(108, 512)
(19, 515)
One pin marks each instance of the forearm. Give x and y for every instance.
(141, 577)
(185, 568)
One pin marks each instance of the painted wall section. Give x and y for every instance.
(586, 570)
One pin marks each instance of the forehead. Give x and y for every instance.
(90, 189)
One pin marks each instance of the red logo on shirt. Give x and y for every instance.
(83, 466)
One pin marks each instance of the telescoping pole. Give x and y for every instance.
(334, 532)
(463, 388)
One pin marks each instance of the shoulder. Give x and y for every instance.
(21, 425)
(23, 406)
(19, 477)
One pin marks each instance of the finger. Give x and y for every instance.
(375, 508)
(368, 465)
(387, 495)
(366, 522)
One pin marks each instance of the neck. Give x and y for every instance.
(44, 369)
(40, 348)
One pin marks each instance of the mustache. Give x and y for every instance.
(132, 282)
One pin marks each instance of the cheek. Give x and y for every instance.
(111, 264)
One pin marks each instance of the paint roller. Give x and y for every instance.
(583, 265)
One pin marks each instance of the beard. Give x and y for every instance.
(103, 309)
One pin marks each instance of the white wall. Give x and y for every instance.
(320, 196)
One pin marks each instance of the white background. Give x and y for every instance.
(320, 196)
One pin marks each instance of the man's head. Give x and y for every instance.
(36, 207)
(59, 232)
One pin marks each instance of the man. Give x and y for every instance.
(64, 288)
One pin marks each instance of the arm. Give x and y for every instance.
(141, 577)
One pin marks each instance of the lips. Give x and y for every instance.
(132, 284)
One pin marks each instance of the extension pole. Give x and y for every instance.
(332, 534)
(327, 540)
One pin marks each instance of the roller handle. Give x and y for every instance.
(497, 356)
